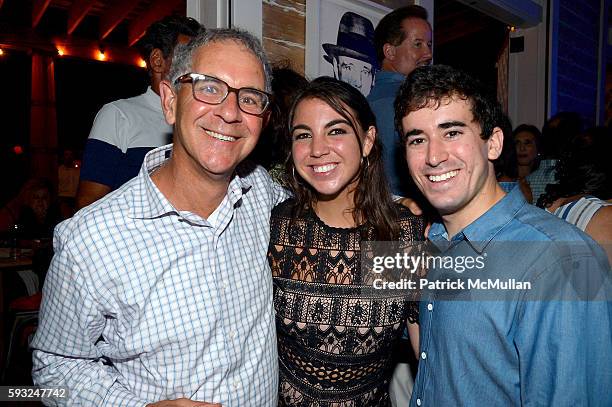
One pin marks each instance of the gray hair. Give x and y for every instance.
(183, 54)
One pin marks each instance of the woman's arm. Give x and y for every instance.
(414, 332)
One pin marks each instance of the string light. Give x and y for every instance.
(101, 55)
(1, 52)
(142, 63)
(60, 51)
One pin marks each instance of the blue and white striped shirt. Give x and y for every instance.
(184, 308)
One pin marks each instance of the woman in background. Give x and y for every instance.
(527, 145)
(520, 158)
(335, 333)
(582, 195)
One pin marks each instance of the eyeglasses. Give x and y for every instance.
(214, 91)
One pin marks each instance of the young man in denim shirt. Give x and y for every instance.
(530, 327)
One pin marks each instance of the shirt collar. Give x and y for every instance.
(149, 202)
(388, 77)
(480, 232)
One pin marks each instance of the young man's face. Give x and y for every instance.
(354, 72)
(448, 159)
(213, 139)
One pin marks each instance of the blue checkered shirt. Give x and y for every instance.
(143, 302)
(544, 175)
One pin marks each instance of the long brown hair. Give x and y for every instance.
(372, 198)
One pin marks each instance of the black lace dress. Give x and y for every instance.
(334, 335)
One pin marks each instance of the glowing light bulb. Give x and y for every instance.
(142, 63)
(101, 55)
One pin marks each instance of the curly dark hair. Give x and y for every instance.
(584, 167)
(389, 29)
(164, 33)
(373, 203)
(558, 130)
(431, 85)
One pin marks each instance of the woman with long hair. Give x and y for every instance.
(335, 333)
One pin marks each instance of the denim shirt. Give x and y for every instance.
(518, 349)
(381, 100)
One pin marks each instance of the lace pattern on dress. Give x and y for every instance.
(335, 333)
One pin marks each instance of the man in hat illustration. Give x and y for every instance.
(353, 57)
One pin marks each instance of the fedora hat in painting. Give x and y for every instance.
(355, 39)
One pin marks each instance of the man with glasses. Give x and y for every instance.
(126, 129)
(162, 290)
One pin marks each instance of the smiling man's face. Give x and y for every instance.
(415, 50)
(448, 159)
(214, 139)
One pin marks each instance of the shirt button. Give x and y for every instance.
(429, 307)
(418, 402)
(423, 355)
(236, 385)
(233, 334)
(224, 285)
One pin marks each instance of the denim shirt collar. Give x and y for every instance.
(480, 232)
(384, 77)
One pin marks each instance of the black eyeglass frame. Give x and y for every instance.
(191, 77)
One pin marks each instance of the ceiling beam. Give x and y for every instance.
(157, 10)
(114, 15)
(38, 9)
(30, 41)
(77, 12)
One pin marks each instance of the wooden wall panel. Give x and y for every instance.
(281, 54)
(284, 31)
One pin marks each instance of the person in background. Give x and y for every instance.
(583, 190)
(523, 159)
(27, 222)
(527, 144)
(162, 289)
(546, 343)
(335, 338)
(68, 173)
(556, 132)
(34, 211)
(126, 129)
(273, 146)
(403, 41)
